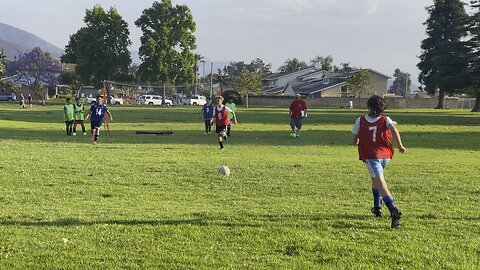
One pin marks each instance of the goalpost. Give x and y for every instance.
(162, 114)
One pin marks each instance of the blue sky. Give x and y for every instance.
(378, 34)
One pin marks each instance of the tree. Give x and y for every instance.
(3, 63)
(3, 73)
(325, 62)
(248, 82)
(402, 83)
(293, 64)
(344, 67)
(258, 66)
(474, 44)
(35, 70)
(100, 49)
(444, 60)
(71, 78)
(360, 83)
(167, 44)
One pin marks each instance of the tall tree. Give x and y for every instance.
(167, 43)
(3, 63)
(293, 65)
(247, 82)
(475, 53)
(344, 67)
(444, 60)
(4, 85)
(100, 49)
(325, 62)
(402, 83)
(360, 83)
(258, 66)
(35, 70)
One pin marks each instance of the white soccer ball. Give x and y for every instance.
(224, 170)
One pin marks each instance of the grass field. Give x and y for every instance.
(137, 202)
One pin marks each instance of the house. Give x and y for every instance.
(281, 79)
(316, 83)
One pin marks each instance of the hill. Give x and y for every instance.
(15, 41)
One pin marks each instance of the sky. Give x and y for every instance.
(378, 34)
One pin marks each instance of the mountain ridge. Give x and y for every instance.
(15, 41)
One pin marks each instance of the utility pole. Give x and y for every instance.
(211, 80)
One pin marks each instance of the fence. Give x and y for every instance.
(342, 102)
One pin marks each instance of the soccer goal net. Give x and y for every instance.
(146, 107)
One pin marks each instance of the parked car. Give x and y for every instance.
(195, 100)
(10, 97)
(113, 100)
(153, 100)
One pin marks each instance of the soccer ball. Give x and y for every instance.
(224, 170)
(293, 135)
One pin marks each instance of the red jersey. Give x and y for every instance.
(221, 117)
(296, 108)
(375, 139)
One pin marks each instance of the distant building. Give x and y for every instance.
(88, 91)
(316, 83)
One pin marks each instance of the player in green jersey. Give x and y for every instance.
(79, 116)
(68, 115)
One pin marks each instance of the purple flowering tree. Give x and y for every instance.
(36, 70)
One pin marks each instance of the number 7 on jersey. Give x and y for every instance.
(374, 135)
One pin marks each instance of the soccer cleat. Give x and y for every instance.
(396, 215)
(84, 133)
(94, 142)
(74, 134)
(377, 211)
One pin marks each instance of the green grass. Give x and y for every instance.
(140, 202)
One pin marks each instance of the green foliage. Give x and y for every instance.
(360, 84)
(444, 60)
(71, 78)
(4, 86)
(167, 44)
(3, 64)
(402, 83)
(293, 64)
(228, 74)
(474, 44)
(157, 202)
(100, 49)
(248, 82)
(325, 62)
(232, 94)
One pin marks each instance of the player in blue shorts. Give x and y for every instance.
(97, 113)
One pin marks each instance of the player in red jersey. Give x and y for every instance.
(373, 134)
(220, 113)
(298, 110)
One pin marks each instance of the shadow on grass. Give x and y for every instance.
(340, 221)
(467, 140)
(77, 222)
(189, 114)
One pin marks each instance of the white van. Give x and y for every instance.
(196, 100)
(153, 100)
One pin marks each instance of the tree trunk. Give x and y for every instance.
(247, 99)
(476, 108)
(441, 100)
